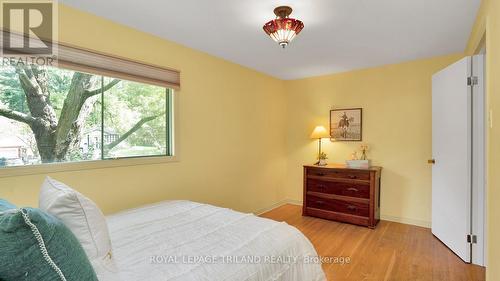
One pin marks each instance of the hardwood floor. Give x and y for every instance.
(392, 251)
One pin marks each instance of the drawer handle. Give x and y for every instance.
(320, 202)
(321, 186)
(353, 189)
(351, 208)
(320, 174)
(352, 177)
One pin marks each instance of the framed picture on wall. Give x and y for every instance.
(346, 124)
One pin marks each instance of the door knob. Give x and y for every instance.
(431, 161)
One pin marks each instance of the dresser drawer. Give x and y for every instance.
(338, 174)
(339, 188)
(339, 206)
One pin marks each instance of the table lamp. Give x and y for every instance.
(320, 133)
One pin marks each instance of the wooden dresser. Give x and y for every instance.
(342, 194)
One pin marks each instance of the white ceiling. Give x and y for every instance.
(339, 35)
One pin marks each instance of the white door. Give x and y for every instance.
(451, 149)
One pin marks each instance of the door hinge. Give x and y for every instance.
(471, 239)
(472, 81)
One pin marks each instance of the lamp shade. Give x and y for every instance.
(320, 133)
(283, 29)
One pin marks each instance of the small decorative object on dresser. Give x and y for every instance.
(363, 162)
(364, 148)
(343, 194)
(322, 159)
(358, 164)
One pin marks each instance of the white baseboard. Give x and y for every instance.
(276, 205)
(294, 202)
(422, 223)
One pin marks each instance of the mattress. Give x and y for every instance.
(188, 241)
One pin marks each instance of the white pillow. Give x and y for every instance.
(83, 218)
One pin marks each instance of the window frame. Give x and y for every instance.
(57, 167)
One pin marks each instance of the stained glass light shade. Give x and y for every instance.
(283, 29)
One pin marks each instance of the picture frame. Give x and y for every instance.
(346, 124)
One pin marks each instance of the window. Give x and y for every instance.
(50, 114)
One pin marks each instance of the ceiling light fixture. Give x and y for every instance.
(283, 29)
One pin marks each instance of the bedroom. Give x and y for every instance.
(242, 109)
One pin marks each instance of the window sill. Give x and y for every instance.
(86, 165)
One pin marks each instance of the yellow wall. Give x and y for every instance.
(396, 102)
(231, 120)
(488, 23)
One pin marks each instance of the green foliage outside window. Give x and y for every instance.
(57, 115)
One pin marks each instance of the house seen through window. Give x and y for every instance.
(50, 114)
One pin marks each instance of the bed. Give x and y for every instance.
(188, 241)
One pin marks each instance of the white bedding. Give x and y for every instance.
(166, 241)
